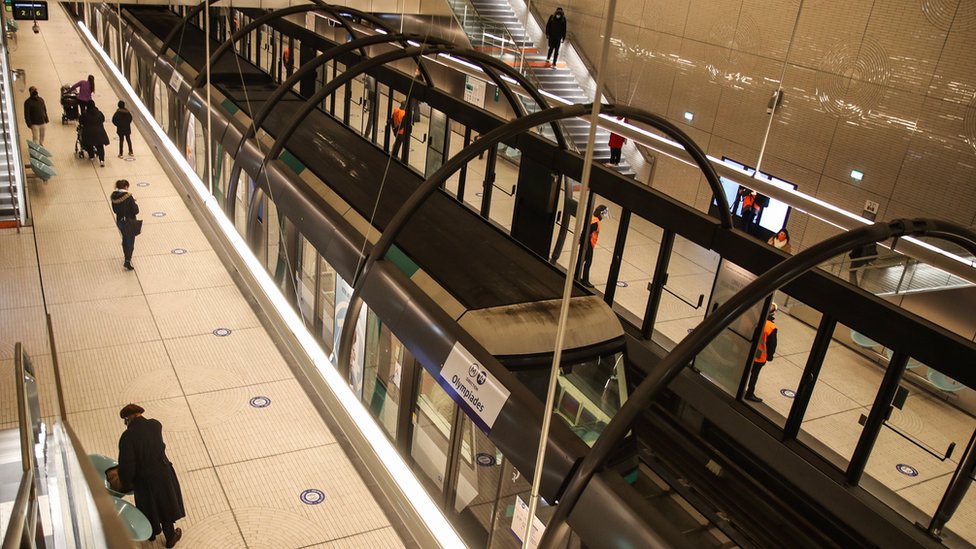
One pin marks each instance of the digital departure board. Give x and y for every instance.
(30, 10)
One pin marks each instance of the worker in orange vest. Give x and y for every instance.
(398, 123)
(765, 350)
(598, 213)
(750, 209)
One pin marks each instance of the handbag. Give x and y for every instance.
(131, 227)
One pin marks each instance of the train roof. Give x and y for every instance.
(481, 266)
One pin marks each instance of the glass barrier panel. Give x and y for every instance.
(340, 95)
(505, 185)
(473, 176)
(923, 443)
(306, 282)
(272, 233)
(845, 390)
(638, 262)
(691, 273)
(326, 303)
(385, 357)
(433, 415)
(479, 478)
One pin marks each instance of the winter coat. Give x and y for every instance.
(124, 205)
(556, 29)
(84, 90)
(122, 119)
(144, 467)
(35, 111)
(93, 128)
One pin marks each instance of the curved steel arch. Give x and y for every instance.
(289, 83)
(341, 49)
(178, 28)
(714, 323)
(491, 138)
(317, 5)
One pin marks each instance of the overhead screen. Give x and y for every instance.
(774, 215)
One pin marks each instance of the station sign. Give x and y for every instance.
(33, 10)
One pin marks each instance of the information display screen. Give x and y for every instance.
(772, 217)
(35, 10)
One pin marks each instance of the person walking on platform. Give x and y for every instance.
(35, 114)
(399, 123)
(765, 350)
(556, 33)
(125, 208)
(750, 209)
(590, 245)
(145, 469)
(93, 136)
(122, 120)
(85, 90)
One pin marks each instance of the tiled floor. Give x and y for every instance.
(244, 438)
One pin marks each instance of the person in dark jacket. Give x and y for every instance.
(765, 351)
(556, 33)
(122, 120)
(35, 114)
(93, 136)
(144, 467)
(125, 208)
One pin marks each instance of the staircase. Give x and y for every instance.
(483, 21)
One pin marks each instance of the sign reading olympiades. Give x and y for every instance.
(473, 387)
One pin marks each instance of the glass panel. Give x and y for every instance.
(473, 177)
(385, 357)
(327, 296)
(590, 393)
(849, 380)
(506, 179)
(433, 414)
(928, 423)
(478, 484)
(691, 272)
(306, 282)
(637, 266)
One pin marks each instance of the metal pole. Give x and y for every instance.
(209, 137)
(528, 15)
(582, 220)
(779, 90)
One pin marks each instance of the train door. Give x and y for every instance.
(433, 416)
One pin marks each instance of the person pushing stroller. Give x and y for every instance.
(92, 134)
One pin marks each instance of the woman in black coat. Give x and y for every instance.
(144, 467)
(556, 33)
(93, 136)
(125, 208)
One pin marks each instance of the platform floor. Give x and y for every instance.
(247, 444)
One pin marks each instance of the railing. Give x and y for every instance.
(893, 274)
(82, 515)
(8, 126)
(490, 37)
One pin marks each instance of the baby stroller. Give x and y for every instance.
(69, 105)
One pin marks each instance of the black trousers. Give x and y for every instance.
(553, 51)
(615, 156)
(128, 245)
(96, 150)
(587, 262)
(128, 139)
(754, 377)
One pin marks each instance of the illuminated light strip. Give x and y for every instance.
(402, 475)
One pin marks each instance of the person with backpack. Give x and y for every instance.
(556, 33)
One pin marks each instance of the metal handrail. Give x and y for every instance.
(19, 518)
(11, 165)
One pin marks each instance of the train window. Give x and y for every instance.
(432, 416)
(385, 358)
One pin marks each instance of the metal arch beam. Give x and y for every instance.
(168, 41)
(712, 326)
(490, 139)
(290, 82)
(367, 64)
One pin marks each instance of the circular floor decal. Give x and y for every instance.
(159, 214)
(907, 470)
(221, 332)
(312, 496)
(479, 194)
(130, 159)
(622, 284)
(142, 184)
(260, 402)
(485, 460)
(788, 393)
(177, 251)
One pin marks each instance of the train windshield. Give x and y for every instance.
(590, 392)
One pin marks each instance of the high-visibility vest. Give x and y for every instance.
(398, 115)
(761, 348)
(594, 234)
(749, 201)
